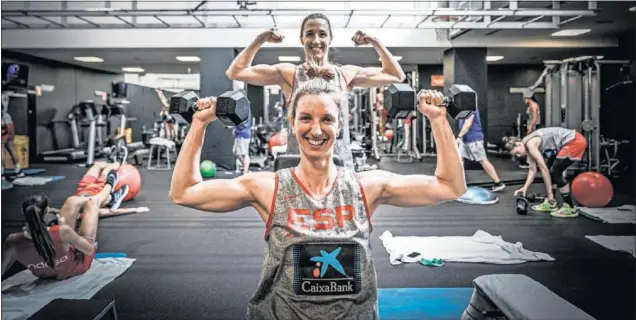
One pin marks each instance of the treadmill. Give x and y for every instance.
(86, 111)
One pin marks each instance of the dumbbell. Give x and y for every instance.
(232, 107)
(522, 206)
(535, 198)
(400, 101)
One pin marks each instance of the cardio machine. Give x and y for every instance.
(82, 115)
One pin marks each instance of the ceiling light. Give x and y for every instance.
(632, 9)
(494, 58)
(188, 59)
(89, 59)
(570, 32)
(397, 58)
(289, 59)
(132, 69)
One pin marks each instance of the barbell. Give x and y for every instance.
(232, 107)
(400, 101)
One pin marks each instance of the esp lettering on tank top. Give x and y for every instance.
(318, 262)
(342, 146)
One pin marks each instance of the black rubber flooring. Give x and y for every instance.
(200, 265)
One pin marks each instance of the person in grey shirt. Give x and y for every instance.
(317, 216)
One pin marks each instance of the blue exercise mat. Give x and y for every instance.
(25, 172)
(423, 303)
(478, 195)
(102, 255)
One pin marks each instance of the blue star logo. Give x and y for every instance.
(329, 259)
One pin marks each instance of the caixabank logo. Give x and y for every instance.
(326, 269)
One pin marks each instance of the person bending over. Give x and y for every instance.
(56, 252)
(317, 216)
(241, 148)
(533, 113)
(569, 146)
(316, 36)
(470, 140)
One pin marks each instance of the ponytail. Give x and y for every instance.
(314, 70)
(40, 234)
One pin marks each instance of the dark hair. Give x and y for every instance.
(532, 97)
(315, 16)
(34, 208)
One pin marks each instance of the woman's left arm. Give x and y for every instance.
(390, 72)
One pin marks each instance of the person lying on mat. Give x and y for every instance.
(569, 146)
(57, 252)
(316, 36)
(317, 216)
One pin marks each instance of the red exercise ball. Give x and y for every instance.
(388, 134)
(129, 175)
(276, 140)
(592, 189)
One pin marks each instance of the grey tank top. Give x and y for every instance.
(553, 138)
(342, 146)
(318, 262)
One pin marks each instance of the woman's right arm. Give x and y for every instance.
(241, 68)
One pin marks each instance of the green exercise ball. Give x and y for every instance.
(208, 169)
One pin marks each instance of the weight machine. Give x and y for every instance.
(573, 100)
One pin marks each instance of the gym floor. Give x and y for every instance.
(198, 265)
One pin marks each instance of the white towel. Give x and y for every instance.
(23, 294)
(622, 214)
(482, 247)
(616, 243)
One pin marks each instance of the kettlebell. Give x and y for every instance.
(522, 206)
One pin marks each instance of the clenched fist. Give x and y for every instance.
(272, 35)
(430, 103)
(206, 110)
(360, 38)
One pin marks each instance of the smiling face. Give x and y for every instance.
(316, 37)
(316, 124)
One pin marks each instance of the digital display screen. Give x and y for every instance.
(15, 75)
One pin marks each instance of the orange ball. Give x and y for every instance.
(592, 189)
(129, 175)
(388, 134)
(276, 140)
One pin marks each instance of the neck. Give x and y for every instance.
(317, 175)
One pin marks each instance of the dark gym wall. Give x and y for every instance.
(503, 105)
(256, 97)
(72, 84)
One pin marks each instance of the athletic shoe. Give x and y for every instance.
(545, 206)
(111, 178)
(497, 187)
(565, 212)
(117, 197)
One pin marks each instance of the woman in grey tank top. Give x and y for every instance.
(567, 146)
(316, 36)
(317, 217)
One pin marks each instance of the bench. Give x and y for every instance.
(518, 297)
(76, 309)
